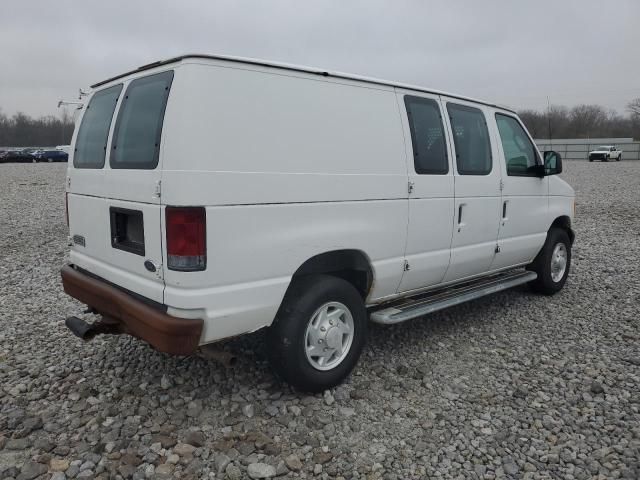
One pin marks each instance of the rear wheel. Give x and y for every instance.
(318, 334)
(619, 158)
(552, 263)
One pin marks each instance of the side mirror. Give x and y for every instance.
(552, 163)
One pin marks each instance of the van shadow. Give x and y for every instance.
(388, 346)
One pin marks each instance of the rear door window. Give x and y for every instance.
(136, 138)
(471, 139)
(91, 144)
(427, 136)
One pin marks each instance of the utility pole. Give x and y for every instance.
(549, 121)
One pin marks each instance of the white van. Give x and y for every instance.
(211, 196)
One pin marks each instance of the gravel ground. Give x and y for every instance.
(511, 386)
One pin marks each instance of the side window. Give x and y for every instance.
(427, 136)
(91, 143)
(471, 138)
(136, 137)
(519, 153)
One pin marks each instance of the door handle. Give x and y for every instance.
(504, 212)
(460, 209)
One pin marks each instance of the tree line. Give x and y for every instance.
(582, 121)
(21, 130)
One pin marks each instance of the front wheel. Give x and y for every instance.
(318, 334)
(619, 158)
(552, 263)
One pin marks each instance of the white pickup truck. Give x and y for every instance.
(605, 153)
(322, 201)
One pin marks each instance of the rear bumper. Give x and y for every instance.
(178, 336)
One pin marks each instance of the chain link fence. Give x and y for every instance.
(580, 151)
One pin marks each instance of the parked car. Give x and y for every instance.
(323, 200)
(605, 153)
(17, 156)
(51, 156)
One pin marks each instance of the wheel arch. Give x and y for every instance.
(564, 223)
(352, 265)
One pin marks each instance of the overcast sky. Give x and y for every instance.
(511, 52)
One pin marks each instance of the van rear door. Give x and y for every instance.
(114, 185)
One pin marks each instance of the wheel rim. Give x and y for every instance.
(558, 262)
(329, 336)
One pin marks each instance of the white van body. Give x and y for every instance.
(290, 164)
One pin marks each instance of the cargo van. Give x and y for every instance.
(211, 196)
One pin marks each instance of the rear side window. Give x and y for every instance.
(471, 139)
(519, 152)
(427, 136)
(136, 138)
(91, 144)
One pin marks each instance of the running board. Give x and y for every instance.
(419, 305)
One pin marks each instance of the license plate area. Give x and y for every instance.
(127, 230)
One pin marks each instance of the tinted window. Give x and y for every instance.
(519, 152)
(427, 136)
(471, 139)
(91, 144)
(136, 138)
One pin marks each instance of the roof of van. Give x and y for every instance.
(299, 68)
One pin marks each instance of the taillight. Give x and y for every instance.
(186, 238)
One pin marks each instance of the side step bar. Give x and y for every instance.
(424, 304)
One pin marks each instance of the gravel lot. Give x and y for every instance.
(511, 386)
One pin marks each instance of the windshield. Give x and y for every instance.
(603, 147)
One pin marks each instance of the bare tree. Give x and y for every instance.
(582, 121)
(634, 107)
(536, 123)
(24, 131)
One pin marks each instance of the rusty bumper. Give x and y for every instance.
(178, 336)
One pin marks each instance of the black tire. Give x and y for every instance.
(286, 338)
(591, 159)
(545, 283)
(619, 158)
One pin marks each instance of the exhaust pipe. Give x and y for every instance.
(223, 357)
(80, 328)
(87, 331)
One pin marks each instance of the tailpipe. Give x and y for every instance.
(223, 357)
(87, 331)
